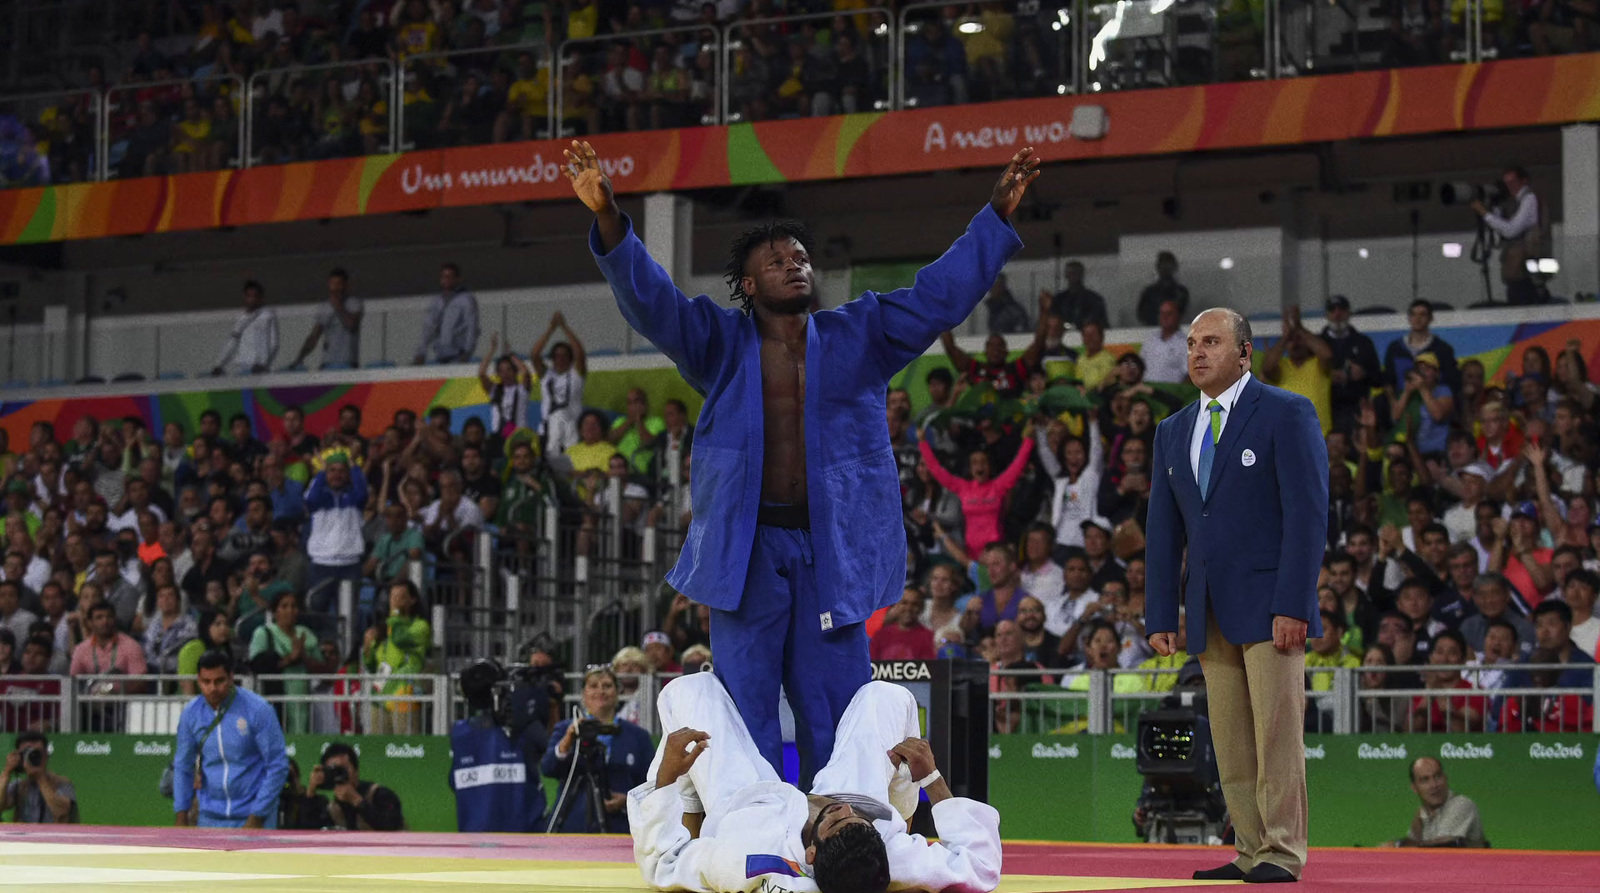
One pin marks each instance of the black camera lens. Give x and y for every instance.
(33, 757)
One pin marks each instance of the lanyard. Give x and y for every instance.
(96, 652)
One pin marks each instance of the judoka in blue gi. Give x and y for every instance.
(796, 537)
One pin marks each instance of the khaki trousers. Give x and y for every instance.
(1257, 709)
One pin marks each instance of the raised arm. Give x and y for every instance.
(687, 330)
(580, 357)
(946, 291)
(958, 357)
(1035, 351)
(1272, 360)
(946, 480)
(536, 352)
(484, 381)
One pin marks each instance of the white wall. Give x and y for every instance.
(1240, 268)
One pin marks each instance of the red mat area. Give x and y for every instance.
(1329, 870)
(1333, 870)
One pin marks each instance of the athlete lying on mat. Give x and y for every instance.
(715, 818)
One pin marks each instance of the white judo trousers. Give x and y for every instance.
(750, 839)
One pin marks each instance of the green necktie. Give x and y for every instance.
(1208, 447)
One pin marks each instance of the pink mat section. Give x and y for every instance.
(1329, 870)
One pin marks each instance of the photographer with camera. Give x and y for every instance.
(495, 751)
(1524, 231)
(599, 759)
(38, 795)
(356, 805)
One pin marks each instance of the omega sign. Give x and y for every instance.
(902, 671)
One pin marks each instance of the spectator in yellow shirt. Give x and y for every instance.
(1095, 362)
(593, 451)
(1303, 363)
(1173, 662)
(527, 102)
(416, 33)
(1328, 653)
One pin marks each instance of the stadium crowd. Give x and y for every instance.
(131, 551)
(1462, 528)
(480, 71)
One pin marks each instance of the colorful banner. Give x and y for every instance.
(1499, 94)
(378, 401)
(1078, 787)
(1498, 346)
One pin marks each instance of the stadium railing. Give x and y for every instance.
(1039, 707)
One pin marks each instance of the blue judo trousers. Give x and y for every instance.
(788, 600)
(781, 640)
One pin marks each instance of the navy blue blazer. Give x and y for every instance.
(1255, 543)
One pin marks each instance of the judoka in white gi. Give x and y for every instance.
(758, 834)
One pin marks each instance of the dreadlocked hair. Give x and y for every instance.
(749, 241)
(853, 860)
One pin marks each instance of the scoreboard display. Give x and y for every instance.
(953, 706)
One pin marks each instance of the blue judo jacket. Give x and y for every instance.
(243, 760)
(851, 353)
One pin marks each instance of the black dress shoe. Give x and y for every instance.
(1267, 873)
(1229, 872)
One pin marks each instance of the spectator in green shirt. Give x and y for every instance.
(634, 435)
(529, 486)
(285, 647)
(399, 545)
(253, 592)
(398, 647)
(215, 633)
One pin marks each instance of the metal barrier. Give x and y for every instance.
(444, 77)
(176, 126)
(877, 49)
(387, 704)
(1017, 49)
(351, 115)
(54, 137)
(1109, 701)
(599, 114)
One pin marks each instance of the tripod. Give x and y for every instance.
(587, 779)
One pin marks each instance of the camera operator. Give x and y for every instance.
(1524, 229)
(38, 795)
(356, 805)
(600, 757)
(496, 779)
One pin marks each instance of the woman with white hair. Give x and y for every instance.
(631, 666)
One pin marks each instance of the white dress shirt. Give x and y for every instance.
(450, 328)
(1166, 359)
(1202, 422)
(253, 342)
(1524, 218)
